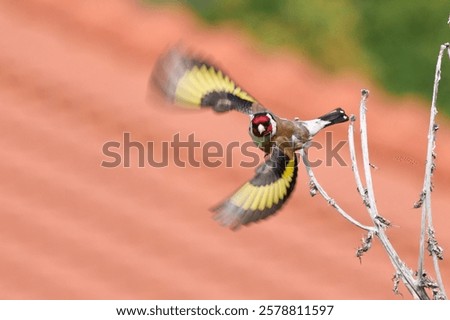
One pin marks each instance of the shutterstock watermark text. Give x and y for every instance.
(188, 151)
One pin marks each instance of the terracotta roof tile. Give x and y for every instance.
(73, 76)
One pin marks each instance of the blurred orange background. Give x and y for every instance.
(73, 76)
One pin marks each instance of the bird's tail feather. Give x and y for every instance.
(335, 116)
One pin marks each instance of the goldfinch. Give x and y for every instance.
(190, 81)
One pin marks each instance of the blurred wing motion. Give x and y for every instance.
(196, 83)
(263, 195)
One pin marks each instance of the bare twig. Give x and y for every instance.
(351, 145)
(380, 223)
(425, 199)
(367, 194)
(315, 186)
(417, 287)
(365, 152)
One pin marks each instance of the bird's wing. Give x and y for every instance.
(263, 195)
(195, 83)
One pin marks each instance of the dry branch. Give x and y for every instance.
(402, 273)
(417, 282)
(315, 186)
(425, 197)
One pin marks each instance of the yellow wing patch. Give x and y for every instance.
(264, 197)
(194, 83)
(201, 80)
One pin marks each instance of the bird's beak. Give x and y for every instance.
(261, 129)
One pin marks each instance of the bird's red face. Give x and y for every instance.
(263, 124)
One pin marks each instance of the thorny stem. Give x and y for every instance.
(426, 219)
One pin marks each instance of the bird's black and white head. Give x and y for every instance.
(262, 124)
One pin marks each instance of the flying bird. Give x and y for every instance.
(187, 80)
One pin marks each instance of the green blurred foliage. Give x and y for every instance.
(403, 39)
(394, 42)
